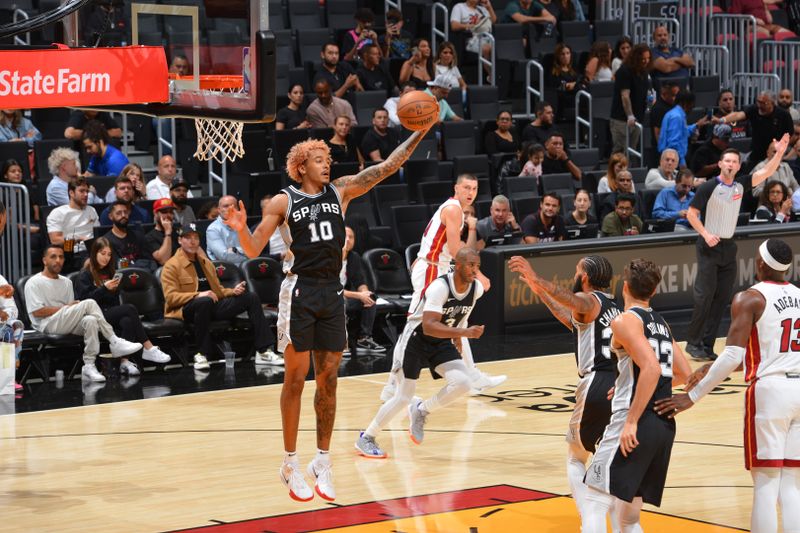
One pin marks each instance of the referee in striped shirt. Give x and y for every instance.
(713, 213)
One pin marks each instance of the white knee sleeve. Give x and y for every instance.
(458, 384)
(766, 487)
(629, 514)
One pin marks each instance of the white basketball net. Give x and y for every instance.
(219, 139)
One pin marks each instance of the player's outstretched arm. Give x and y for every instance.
(254, 243)
(580, 304)
(352, 186)
(772, 165)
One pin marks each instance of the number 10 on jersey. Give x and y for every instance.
(324, 233)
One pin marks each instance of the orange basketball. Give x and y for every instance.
(417, 110)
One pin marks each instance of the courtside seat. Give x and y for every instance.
(389, 277)
(411, 255)
(264, 277)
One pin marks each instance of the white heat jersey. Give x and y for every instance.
(433, 248)
(774, 345)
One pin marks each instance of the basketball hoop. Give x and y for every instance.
(219, 139)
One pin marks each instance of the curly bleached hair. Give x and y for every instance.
(299, 154)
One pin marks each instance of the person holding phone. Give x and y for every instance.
(396, 43)
(99, 281)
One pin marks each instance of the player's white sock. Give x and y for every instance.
(290, 457)
(322, 457)
(790, 499)
(595, 508)
(458, 384)
(576, 470)
(629, 514)
(766, 487)
(402, 397)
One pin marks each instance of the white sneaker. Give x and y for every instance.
(484, 381)
(90, 373)
(294, 481)
(323, 475)
(155, 355)
(126, 367)
(120, 347)
(268, 357)
(200, 362)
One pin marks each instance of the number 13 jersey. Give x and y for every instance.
(314, 233)
(774, 344)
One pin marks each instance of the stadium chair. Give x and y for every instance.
(282, 142)
(510, 54)
(228, 273)
(639, 175)
(477, 165)
(524, 206)
(654, 225)
(483, 102)
(365, 102)
(408, 223)
(648, 199)
(515, 186)
(323, 134)
(585, 158)
(389, 277)
(482, 208)
(362, 206)
(305, 15)
(578, 35)
(277, 15)
(706, 90)
(567, 203)
(264, 277)
(434, 192)
(16, 150)
(458, 138)
(387, 196)
(608, 30)
(343, 169)
(558, 183)
(284, 49)
(340, 13)
(42, 150)
(411, 254)
(309, 43)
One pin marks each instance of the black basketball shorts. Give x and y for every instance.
(311, 315)
(420, 352)
(592, 409)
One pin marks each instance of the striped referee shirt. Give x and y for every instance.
(719, 205)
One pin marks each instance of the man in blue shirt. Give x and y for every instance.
(672, 203)
(123, 191)
(106, 159)
(222, 242)
(669, 61)
(675, 132)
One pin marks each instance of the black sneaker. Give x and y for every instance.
(710, 353)
(368, 346)
(699, 353)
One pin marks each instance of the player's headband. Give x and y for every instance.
(771, 262)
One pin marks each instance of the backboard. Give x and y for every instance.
(220, 52)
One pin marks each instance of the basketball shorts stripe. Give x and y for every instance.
(592, 410)
(772, 423)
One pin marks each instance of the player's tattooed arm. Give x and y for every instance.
(563, 314)
(358, 184)
(579, 304)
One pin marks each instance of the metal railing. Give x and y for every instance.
(222, 177)
(643, 27)
(747, 86)
(782, 58)
(618, 10)
(482, 61)
(694, 18)
(15, 242)
(529, 88)
(26, 39)
(737, 33)
(630, 151)
(162, 142)
(579, 120)
(444, 33)
(710, 60)
(392, 4)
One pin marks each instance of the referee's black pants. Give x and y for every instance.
(713, 288)
(201, 311)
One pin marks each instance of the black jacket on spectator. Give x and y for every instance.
(335, 79)
(375, 80)
(638, 86)
(494, 144)
(85, 289)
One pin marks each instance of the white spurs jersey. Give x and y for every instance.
(774, 345)
(433, 247)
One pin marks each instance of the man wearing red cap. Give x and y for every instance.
(162, 242)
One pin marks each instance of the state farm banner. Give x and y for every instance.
(78, 77)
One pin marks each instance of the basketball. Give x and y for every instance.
(417, 110)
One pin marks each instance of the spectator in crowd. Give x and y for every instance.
(759, 10)
(106, 160)
(568, 11)
(621, 50)
(78, 119)
(98, 281)
(527, 12)
(123, 190)
(542, 126)
(380, 141)
(675, 131)
(223, 242)
(339, 74)
(134, 173)
(598, 67)
(500, 227)
(371, 72)
(527, 163)
(53, 310)
(546, 225)
(162, 241)
(65, 165)
(783, 174)
(767, 122)
(663, 176)
(564, 78)
(624, 186)
(556, 159)
(774, 203)
(358, 297)
(180, 65)
(361, 35)
(11, 172)
(15, 127)
(178, 193)
(343, 145)
(396, 42)
(664, 103)
(12, 330)
(159, 187)
(192, 292)
(533, 160)
(322, 112)
(705, 161)
(208, 211)
(446, 65)
(439, 88)
(616, 164)
(672, 203)
(503, 139)
(293, 116)
(71, 225)
(580, 215)
(786, 101)
(129, 246)
(418, 69)
(474, 17)
(622, 221)
(391, 103)
(669, 61)
(629, 102)
(726, 104)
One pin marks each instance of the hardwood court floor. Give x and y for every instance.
(205, 459)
